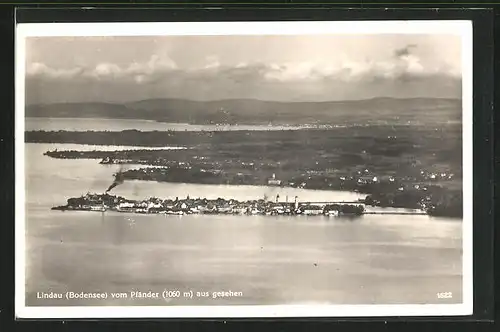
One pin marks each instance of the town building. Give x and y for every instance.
(273, 181)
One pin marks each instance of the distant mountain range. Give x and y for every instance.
(250, 111)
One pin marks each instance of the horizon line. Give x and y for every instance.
(241, 99)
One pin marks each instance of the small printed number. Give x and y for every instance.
(445, 295)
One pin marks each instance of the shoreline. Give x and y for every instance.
(415, 168)
(383, 194)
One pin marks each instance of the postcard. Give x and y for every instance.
(244, 169)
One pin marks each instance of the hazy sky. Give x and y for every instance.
(322, 67)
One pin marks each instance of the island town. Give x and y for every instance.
(106, 202)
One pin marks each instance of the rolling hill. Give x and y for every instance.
(250, 111)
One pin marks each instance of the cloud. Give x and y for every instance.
(401, 72)
(402, 64)
(400, 52)
(138, 72)
(212, 62)
(38, 69)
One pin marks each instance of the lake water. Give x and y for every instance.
(85, 124)
(374, 259)
(90, 147)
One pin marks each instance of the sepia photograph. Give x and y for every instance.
(244, 169)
